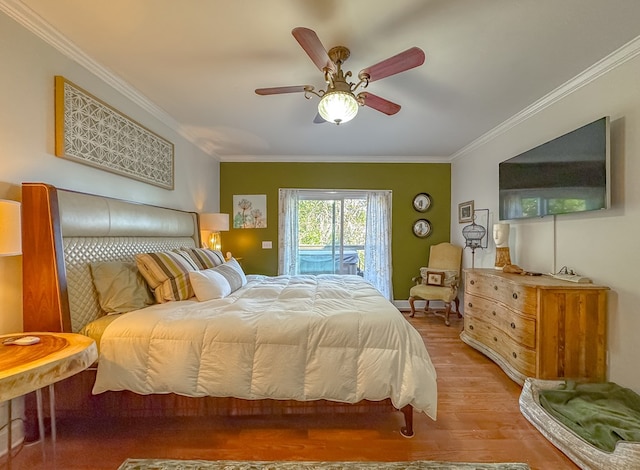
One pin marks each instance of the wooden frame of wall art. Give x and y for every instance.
(91, 132)
(465, 212)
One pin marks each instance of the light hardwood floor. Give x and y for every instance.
(478, 420)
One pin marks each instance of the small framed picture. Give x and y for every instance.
(421, 228)
(465, 212)
(422, 202)
(435, 278)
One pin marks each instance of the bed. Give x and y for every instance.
(280, 344)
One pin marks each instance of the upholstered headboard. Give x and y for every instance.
(64, 231)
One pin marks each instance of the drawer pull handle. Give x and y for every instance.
(515, 356)
(495, 287)
(471, 327)
(472, 282)
(513, 325)
(493, 313)
(470, 305)
(495, 339)
(515, 296)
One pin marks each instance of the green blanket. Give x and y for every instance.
(600, 413)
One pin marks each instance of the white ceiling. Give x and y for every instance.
(200, 61)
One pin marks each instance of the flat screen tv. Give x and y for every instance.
(567, 174)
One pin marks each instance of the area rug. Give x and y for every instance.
(159, 464)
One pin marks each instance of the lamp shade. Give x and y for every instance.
(338, 106)
(10, 231)
(214, 222)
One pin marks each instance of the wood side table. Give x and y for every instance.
(25, 369)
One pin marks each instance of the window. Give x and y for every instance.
(331, 232)
(337, 232)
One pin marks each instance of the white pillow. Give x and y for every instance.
(209, 284)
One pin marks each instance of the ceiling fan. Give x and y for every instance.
(339, 102)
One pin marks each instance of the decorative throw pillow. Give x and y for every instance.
(209, 284)
(438, 277)
(233, 273)
(167, 273)
(218, 282)
(205, 258)
(120, 287)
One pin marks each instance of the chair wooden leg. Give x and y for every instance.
(426, 307)
(413, 309)
(457, 302)
(447, 310)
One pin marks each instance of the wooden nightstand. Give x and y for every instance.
(25, 369)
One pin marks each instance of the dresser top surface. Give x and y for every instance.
(543, 282)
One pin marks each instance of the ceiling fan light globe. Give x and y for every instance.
(338, 106)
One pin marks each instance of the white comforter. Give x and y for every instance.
(300, 338)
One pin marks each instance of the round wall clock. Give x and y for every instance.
(422, 202)
(421, 228)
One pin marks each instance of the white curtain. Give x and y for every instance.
(377, 250)
(288, 232)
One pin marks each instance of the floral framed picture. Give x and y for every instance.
(465, 212)
(250, 211)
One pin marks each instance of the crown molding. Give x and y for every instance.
(330, 159)
(600, 68)
(26, 17)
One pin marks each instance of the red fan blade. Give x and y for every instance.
(308, 39)
(281, 89)
(398, 63)
(380, 104)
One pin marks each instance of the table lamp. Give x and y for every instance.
(212, 224)
(10, 245)
(10, 232)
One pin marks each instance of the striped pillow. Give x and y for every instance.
(205, 258)
(167, 273)
(233, 273)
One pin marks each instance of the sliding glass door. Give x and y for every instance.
(336, 232)
(331, 233)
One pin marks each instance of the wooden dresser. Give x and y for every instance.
(536, 326)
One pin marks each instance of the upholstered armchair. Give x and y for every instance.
(439, 280)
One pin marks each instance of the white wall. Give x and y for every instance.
(601, 245)
(27, 146)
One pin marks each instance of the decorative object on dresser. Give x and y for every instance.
(536, 326)
(439, 281)
(501, 239)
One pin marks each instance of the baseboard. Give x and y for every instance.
(403, 305)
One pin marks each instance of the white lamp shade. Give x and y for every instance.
(338, 107)
(214, 222)
(10, 231)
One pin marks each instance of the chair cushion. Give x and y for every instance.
(446, 294)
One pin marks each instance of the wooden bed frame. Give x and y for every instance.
(60, 228)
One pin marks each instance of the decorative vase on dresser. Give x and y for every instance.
(536, 326)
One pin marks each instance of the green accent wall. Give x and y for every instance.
(405, 180)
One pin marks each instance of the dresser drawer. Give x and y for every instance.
(516, 296)
(522, 329)
(520, 357)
